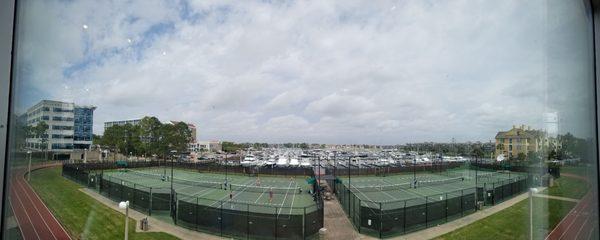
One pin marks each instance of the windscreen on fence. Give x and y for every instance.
(237, 219)
(390, 218)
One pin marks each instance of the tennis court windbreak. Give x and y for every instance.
(247, 220)
(391, 218)
(223, 218)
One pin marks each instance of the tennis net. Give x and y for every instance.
(219, 185)
(439, 182)
(420, 183)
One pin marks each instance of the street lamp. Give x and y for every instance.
(319, 160)
(415, 172)
(29, 167)
(125, 205)
(173, 152)
(226, 163)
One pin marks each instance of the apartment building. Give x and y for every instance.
(522, 139)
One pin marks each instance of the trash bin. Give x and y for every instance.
(144, 224)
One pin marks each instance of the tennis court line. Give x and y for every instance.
(285, 197)
(385, 192)
(260, 196)
(293, 197)
(235, 195)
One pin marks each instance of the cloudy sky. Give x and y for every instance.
(381, 72)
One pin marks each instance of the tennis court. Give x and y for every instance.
(289, 195)
(239, 205)
(395, 204)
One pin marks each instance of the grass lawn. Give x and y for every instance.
(513, 222)
(568, 187)
(577, 170)
(83, 216)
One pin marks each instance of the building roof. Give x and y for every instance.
(519, 132)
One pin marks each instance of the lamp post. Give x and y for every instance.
(29, 167)
(319, 160)
(125, 205)
(415, 172)
(476, 173)
(173, 152)
(334, 165)
(349, 183)
(226, 163)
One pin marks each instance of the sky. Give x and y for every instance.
(384, 72)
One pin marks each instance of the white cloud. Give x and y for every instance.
(318, 71)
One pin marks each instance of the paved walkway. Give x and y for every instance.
(154, 224)
(337, 223)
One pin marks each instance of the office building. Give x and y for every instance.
(70, 126)
(122, 123)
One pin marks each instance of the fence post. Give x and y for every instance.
(221, 218)
(359, 220)
(150, 206)
(247, 221)
(446, 207)
(484, 193)
(380, 220)
(303, 224)
(404, 218)
(426, 212)
(462, 199)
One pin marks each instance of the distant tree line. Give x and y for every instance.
(478, 149)
(149, 137)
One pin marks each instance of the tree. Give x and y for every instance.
(150, 131)
(113, 137)
(477, 152)
(41, 131)
(96, 139)
(552, 155)
(533, 157)
(521, 157)
(230, 147)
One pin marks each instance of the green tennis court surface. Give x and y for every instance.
(290, 195)
(424, 186)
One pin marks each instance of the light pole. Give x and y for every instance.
(319, 160)
(476, 173)
(349, 184)
(29, 167)
(415, 172)
(125, 205)
(173, 152)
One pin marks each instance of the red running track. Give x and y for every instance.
(33, 217)
(579, 223)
